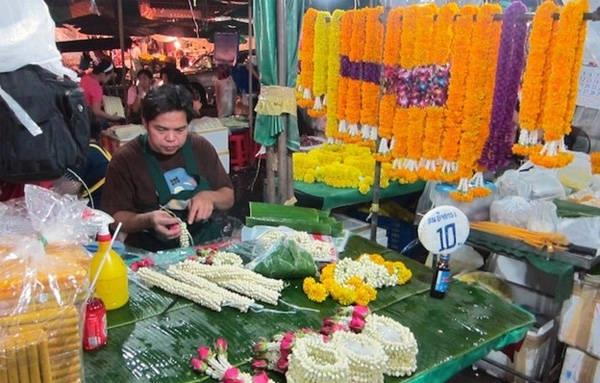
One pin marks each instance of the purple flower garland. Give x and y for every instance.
(511, 60)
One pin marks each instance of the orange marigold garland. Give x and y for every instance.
(557, 116)
(442, 38)
(357, 46)
(479, 97)
(418, 110)
(535, 77)
(333, 73)
(305, 78)
(371, 59)
(320, 64)
(346, 30)
(453, 114)
(391, 58)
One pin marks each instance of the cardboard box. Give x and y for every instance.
(579, 367)
(580, 318)
(533, 359)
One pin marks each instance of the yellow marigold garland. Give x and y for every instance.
(321, 45)
(346, 30)
(305, 78)
(479, 96)
(353, 290)
(453, 114)
(357, 46)
(557, 116)
(535, 77)
(391, 58)
(371, 58)
(333, 72)
(440, 55)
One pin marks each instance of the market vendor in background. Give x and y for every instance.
(167, 181)
(136, 93)
(94, 96)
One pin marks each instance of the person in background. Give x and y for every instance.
(198, 98)
(136, 93)
(167, 182)
(182, 59)
(93, 92)
(225, 91)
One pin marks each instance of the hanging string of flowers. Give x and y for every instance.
(459, 55)
(478, 100)
(497, 150)
(306, 50)
(371, 60)
(400, 89)
(357, 46)
(440, 55)
(344, 79)
(333, 73)
(557, 115)
(535, 77)
(387, 104)
(321, 44)
(421, 73)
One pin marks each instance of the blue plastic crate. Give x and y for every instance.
(399, 232)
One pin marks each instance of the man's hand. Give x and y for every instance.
(201, 207)
(165, 224)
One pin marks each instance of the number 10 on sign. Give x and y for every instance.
(444, 229)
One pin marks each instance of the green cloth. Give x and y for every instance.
(151, 340)
(267, 128)
(542, 260)
(331, 197)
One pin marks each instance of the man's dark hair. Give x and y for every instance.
(145, 72)
(167, 98)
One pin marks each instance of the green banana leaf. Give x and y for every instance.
(153, 338)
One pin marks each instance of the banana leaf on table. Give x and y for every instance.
(150, 340)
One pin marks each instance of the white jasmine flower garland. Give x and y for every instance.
(315, 361)
(366, 357)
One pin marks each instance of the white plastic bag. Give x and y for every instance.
(511, 210)
(27, 31)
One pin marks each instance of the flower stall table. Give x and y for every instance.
(154, 336)
(328, 197)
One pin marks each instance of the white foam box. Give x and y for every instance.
(213, 131)
(224, 157)
(579, 367)
(580, 318)
(533, 359)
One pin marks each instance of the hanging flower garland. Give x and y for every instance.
(333, 73)
(345, 69)
(421, 72)
(320, 58)
(357, 46)
(562, 87)
(497, 149)
(305, 56)
(595, 160)
(387, 104)
(478, 99)
(400, 88)
(457, 89)
(440, 55)
(371, 61)
(535, 77)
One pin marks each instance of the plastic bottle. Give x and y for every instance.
(112, 285)
(441, 278)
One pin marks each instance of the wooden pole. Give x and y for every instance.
(282, 152)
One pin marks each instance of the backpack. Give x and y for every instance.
(58, 107)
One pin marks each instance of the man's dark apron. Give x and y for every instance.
(201, 232)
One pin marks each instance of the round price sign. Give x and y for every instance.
(444, 229)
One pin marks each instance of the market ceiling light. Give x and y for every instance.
(149, 12)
